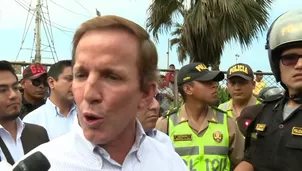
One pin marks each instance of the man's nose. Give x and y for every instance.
(237, 85)
(13, 94)
(154, 105)
(299, 64)
(92, 89)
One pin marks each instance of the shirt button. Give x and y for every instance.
(281, 126)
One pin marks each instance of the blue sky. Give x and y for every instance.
(13, 19)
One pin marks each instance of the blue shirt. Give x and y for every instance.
(49, 117)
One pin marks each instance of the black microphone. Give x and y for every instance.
(35, 162)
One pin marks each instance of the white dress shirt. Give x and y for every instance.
(49, 117)
(15, 147)
(73, 152)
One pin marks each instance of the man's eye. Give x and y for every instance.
(113, 77)
(79, 75)
(3, 90)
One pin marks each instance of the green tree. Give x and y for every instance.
(207, 25)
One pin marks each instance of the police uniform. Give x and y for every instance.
(274, 138)
(245, 72)
(216, 144)
(228, 106)
(275, 144)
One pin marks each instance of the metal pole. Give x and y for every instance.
(175, 87)
(168, 54)
(38, 37)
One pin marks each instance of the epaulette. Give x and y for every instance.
(220, 110)
(273, 98)
(171, 112)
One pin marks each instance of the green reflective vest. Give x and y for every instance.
(224, 106)
(202, 153)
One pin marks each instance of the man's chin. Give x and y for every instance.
(10, 117)
(96, 137)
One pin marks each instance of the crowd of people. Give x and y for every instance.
(108, 108)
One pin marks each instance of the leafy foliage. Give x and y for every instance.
(208, 25)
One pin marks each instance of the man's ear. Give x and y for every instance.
(148, 95)
(188, 89)
(51, 82)
(22, 82)
(254, 84)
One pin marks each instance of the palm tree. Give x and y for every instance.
(208, 25)
(178, 41)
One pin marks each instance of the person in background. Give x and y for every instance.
(247, 115)
(59, 112)
(148, 120)
(170, 77)
(16, 138)
(114, 78)
(204, 136)
(34, 84)
(240, 83)
(260, 84)
(166, 91)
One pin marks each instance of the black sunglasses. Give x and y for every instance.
(290, 59)
(37, 82)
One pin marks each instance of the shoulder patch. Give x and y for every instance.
(171, 112)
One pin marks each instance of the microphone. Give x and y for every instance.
(35, 162)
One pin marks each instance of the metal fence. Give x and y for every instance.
(268, 78)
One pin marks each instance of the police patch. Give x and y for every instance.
(217, 136)
(297, 131)
(183, 137)
(260, 127)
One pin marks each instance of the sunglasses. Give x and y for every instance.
(290, 59)
(38, 82)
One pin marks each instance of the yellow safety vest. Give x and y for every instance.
(206, 153)
(224, 106)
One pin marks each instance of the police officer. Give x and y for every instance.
(240, 83)
(204, 136)
(274, 138)
(249, 113)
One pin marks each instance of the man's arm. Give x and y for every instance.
(236, 148)
(167, 79)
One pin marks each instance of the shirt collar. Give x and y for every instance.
(140, 137)
(151, 133)
(251, 102)
(20, 127)
(183, 116)
(49, 102)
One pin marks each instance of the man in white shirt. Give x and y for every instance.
(115, 65)
(148, 119)
(16, 138)
(59, 112)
